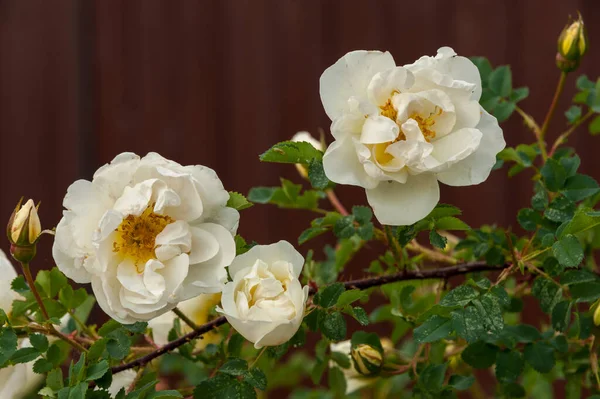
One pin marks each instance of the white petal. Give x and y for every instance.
(349, 124)
(112, 178)
(384, 84)
(174, 274)
(226, 217)
(204, 245)
(8, 273)
(379, 129)
(456, 146)
(399, 204)
(476, 167)
(68, 256)
(269, 254)
(341, 164)
(350, 77)
(176, 238)
(120, 380)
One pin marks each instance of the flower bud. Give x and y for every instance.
(597, 316)
(367, 360)
(572, 46)
(308, 138)
(24, 225)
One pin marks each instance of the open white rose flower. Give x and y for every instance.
(147, 233)
(265, 301)
(18, 380)
(400, 130)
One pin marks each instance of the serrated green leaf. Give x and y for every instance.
(554, 175)
(540, 356)
(460, 296)
(480, 355)
(500, 81)
(573, 114)
(39, 342)
(433, 329)
(238, 201)
(561, 315)
(316, 174)
(568, 251)
(451, 223)
(467, 323)
(234, 366)
(42, 366)
(51, 281)
(24, 355)
(437, 240)
(96, 370)
(334, 326)
(594, 126)
(509, 366)
(350, 296)
(328, 296)
(256, 378)
(580, 187)
(291, 152)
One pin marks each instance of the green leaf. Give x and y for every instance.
(443, 210)
(39, 342)
(261, 195)
(54, 379)
(316, 174)
(467, 323)
(504, 110)
(432, 378)
(42, 366)
(336, 382)
(548, 293)
(480, 355)
(461, 382)
(519, 94)
(334, 326)
(489, 306)
(554, 175)
(51, 281)
(344, 227)
(291, 152)
(348, 297)
(362, 214)
(19, 285)
(360, 315)
(256, 378)
(341, 359)
(523, 333)
(568, 251)
(71, 298)
(500, 81)
(24, 355)
(540, 356)
(583, 220)
(96, 370)
(166, 394)
(561, 315)
(238, 201)
(76, 370)
(223, 386)
(577, 276)
(437, 240)
(509, 366)
(460, 296)
(451, 223)
(434, 329)
(585, 292)
(573, 114)
(234, 366)
(328, 296)
(529, 219)
(594, 126)
(580, 187)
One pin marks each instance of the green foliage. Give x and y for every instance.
(238, 201)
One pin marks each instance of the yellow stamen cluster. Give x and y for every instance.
(426, 124)
(136, 236)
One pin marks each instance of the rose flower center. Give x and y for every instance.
(425, 125)
(136, 236)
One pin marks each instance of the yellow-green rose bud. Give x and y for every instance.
(572, 46)
(367, 360)
(24, 229)
(597, 316)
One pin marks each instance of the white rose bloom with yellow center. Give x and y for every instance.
(147, 233)
(265, 301)
(400, 130)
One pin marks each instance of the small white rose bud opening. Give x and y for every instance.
(26, 226)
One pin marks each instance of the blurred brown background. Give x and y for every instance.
(219, 82)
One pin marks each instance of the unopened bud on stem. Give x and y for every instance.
(367, 360)
(23, 230)
(572, 46)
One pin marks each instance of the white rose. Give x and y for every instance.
(398, 130)
(120, 380)
(18, 380)
(265, 301)
(197, 309)
(147, 233)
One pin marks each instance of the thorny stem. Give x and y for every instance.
(559, 88)
(185, 319)
(336, 202)
(442, 273)
(563, 137)
(38, 298)
(392, 243)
